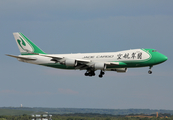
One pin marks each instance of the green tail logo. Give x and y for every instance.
(26, 46)
(23, 43)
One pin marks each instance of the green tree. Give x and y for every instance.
(3, 119)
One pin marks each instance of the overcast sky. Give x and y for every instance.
(78, 26)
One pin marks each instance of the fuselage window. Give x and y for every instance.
(154, 51)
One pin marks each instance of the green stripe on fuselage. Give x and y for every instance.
(57, 65)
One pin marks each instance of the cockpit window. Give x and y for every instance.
(154, 51)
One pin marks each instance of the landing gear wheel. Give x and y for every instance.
(100, 76)
(90, 73)
(149, 72)
(93, 73)
(86, 74)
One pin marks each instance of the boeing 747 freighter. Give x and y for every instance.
(107, 61)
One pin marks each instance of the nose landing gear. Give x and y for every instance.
(150, 72)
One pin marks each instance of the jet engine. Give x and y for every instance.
(99, 66)
(70, 62)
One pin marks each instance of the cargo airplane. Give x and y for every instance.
(106, 61)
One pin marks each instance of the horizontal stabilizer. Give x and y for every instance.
(19, 57)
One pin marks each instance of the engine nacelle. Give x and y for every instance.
(99, 66)
(70, 62)
(121, 69)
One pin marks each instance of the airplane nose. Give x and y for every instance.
(163, 58)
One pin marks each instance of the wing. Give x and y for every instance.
(82, 63)
(78, 63)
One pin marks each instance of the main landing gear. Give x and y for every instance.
(101, 74)
(92, 73)
(150, 72)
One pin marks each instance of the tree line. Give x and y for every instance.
(92, 116)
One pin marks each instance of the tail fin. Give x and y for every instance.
(26, 47)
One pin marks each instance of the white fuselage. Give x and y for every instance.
(127, 55)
